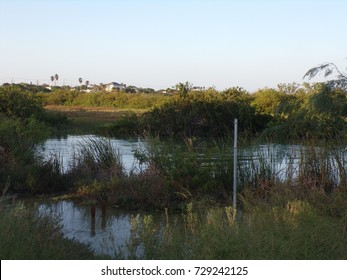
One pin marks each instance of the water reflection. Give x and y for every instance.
(107, 230)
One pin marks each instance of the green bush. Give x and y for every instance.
(207, 113)
(313, 112)
(15, 103)
(60, 97)
(102, 98)
(128, 125)
(25, 103)
(19, 164)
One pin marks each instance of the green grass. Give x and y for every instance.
(294, 230)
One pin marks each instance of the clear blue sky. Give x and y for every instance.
(158, 43)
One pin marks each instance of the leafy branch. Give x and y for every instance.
(328, 69)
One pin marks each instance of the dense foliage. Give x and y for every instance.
(117, 99)
(288, 112)
(316, 111)
(23, 124)
(207, 113)
(16, 103)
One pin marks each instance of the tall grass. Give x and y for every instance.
(199, 168)
(294, 230)
(323, 167)
(97, 159)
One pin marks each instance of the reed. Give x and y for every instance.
(96, 159)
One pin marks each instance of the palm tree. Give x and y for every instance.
(87, 83)
(52, 79)
(56, 76)
(80, 81)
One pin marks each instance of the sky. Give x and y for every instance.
(159, 43)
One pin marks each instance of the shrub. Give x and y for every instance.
(19, 164)
(205, 114)
(15, 103)
(126, 126)
(102, 98)
(315, 112)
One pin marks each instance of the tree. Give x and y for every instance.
(52, 79)
(288, 88)
(329, 69)
(87, 83)
(268, 101)
(21, 104)
(56, 76)
(184, 88)
(80, 81)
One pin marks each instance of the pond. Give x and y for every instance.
(108, 232)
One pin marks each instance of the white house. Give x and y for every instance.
(112, 86)
(198, 88)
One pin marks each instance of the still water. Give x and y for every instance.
(107, 232)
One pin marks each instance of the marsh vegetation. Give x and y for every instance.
(291, 205)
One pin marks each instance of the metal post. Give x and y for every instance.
(235, 167)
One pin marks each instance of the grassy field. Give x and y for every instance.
(84, 119)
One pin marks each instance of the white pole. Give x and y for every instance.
(235, 167)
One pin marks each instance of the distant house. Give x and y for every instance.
(89, 88)
(198, 88)
(114, 86)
